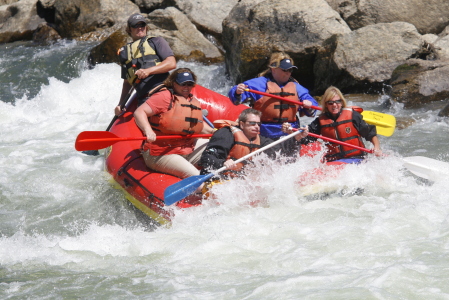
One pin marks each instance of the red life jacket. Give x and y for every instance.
(242, 146)
(275, 110)
(183, 117)
(343, 130)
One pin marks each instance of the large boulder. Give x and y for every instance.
(255, 29)
(150, 5)
(45, 34)
(18, 20)
(365, 58)
(207, 15)
(185, 40)
(77, 17)
(430, 16)
(441, 45)
(417, 82)
(106, 51)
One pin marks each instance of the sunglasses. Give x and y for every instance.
(139, 25)
(333, 102)
(187, 83)
(252, 123)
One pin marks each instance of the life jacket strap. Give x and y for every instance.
(250, 146)
(335, 124)
(191, 106)
(191, 120)
(280, 120)
(283, 106)
(283, 94)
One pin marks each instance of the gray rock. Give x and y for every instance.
(417, 82)
(254, 29)
(106, 51)
(185, 40)
(441, 46)
(45, 34)
(47, 4)
(18, 20)
(444, 112)
(207, 15)
(77, 17)
(151, 5)
(366, 57)
(430, 16)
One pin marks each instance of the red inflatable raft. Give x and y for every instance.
(143, 187)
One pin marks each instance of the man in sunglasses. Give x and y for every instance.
(276, 80)
(237, 139)
(146, 61)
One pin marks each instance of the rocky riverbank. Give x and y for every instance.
(400, 48)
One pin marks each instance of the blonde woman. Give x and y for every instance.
(340, 122)
(277, 80)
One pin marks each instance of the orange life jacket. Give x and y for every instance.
(343, 130)
(183, 117)
(242, 146)
(275, 110)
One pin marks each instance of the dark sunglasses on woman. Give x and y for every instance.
(332, 102)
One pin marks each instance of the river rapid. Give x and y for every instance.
(66, 233)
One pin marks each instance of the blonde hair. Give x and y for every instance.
(275, 60)
(328, 95)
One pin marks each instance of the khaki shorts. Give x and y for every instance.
(182, 166)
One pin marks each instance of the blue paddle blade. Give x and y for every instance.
(184, 188)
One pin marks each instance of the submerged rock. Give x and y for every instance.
(417, 82)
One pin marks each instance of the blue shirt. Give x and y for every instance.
(272, 130)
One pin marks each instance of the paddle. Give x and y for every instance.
(205, 113)
(421, 166)
(337, 141)
(428, 168)
(90, 140)
(385, 124)
(185, 187)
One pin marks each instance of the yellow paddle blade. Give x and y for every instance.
(385, 124)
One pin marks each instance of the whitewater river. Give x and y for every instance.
(66, 233)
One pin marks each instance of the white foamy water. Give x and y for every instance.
(65, 233)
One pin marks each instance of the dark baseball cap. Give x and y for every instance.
(184, 77)
(285, 64)
(136, 18)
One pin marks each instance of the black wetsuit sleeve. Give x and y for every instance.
(217, 150)
(314, 127)
(365, 130)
